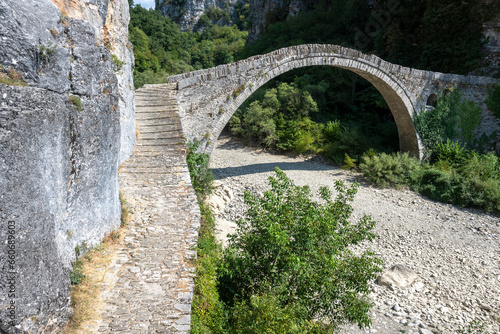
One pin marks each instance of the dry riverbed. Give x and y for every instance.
(454, 252)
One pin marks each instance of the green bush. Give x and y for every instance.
(455, 119)
(351, 141)
(208, 314)
(459, 176)
(297, 250)
(493, 100)
(46, 50)
(201, 176)
(439, 185)
(76, 276)
(453, 153)
(385, 170)
(117, 63)
(332, 130)
(76, 102)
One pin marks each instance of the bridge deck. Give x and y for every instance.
(154, 273)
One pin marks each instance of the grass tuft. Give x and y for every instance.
(11, 77)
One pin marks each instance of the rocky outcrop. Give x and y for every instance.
(265, 12)
(110, 18)
(59, 147)
(186, 13)
(492, 47)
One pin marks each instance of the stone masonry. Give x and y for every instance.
(208, 98)
(155, 269)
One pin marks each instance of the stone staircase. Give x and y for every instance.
(152, 280)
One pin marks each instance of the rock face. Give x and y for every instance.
(492, 48)
(110, 18)
(59, 148)
(187, 12)
(265, 12)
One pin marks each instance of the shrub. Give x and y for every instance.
(435, 126)
(438, 184)
(117, 63)
(297, 250)
(351, 141)
(332, 130)
(455, 119)
(493, 100)
(125, 212)
(76, 102)
(76, 276)
(265, 314)
(451, 152)
(469, 118)
(46, 50)
(201, 176)
(208, 311)
(389, 169)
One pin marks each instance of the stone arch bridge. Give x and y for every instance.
(208, 98)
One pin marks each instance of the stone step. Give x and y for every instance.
(154, 109)
(158, 116)
(167, 165)
(159, 150)
(161, 141)
(152, 128)
(156, 123)
(160, 135)
(162, 96)
(144, 104)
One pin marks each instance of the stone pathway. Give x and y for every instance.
(150, 284)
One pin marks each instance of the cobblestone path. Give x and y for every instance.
(151, 284)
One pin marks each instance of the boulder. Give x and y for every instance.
(399, 275)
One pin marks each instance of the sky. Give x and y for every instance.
(145, 3)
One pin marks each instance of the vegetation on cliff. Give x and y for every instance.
(161, 49)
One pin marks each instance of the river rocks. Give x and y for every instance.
(453, 251)
(398, 275)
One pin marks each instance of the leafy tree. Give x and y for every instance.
(297, 250)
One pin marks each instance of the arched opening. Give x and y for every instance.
(432, 100)
(317, 109)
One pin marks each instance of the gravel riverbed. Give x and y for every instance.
(454, 252)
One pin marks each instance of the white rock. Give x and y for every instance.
(398, 275)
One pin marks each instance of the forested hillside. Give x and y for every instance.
(161, 49)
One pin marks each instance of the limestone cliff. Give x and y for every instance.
(59, 147)
(265, 12)
(187, 12)
(492, 47)
(110, 21)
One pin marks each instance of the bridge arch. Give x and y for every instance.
(207, 99)
(393, 92)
